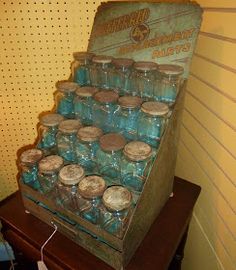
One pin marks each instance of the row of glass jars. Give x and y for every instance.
(145, 79)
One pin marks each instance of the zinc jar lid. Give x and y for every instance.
(50, 164)
(31, 156)
(71, 174)
(69, 126)
(51, 119)
(83, 55)
(102, 59)
(89, 134)
(123, 62)
(155, 108)
(86, 91)
(145, 66)
(92, 186)
(112, 142)
(130, 102)
(137, 151)
(117, 198)
(66, 86)
(174, 70)
(106, 96)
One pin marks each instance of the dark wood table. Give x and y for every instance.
(162, 248)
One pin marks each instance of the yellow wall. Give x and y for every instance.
(36, 45)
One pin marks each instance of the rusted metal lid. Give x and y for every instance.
(130, 102)
(145, 66)
(71, 174)
(92, 186)
(70, 126)
(137, 151)
(31, 156)
(66, 86)
(117, 198)
(155, 108)
(89, 134)
(86, 91)
(102, 59)
(174, 70)
(50, 164)
(51, 119)
(123, 62)
(112, 142)
(106, 96)
(83, 55)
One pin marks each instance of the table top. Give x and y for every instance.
(157, 248)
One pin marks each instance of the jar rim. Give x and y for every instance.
(130, 102)
(71, 174)
(145, 66)
(51, 119)
(31, 156)
(69, 126)
(50, 164)
(89, 133)
(102, 59)
(66, 86)
(155, 108)
(112, 142)
(104, 96)
(137, 151)
(86, 91)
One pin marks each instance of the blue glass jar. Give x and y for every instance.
(47, 130)
(49, 168)
(66, 139)
(64, 98)
(108, 157)
(105, 104)
(116, 210)
(28, 163)
(80, 68)
(91, 189)
(125, 119)
(86, 147)
(143, 79)
(152, 122)
(99, 71)
(83, 104)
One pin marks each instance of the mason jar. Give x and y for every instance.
(151, 122)
(125, 119)
(49, 168)
(86, 147)
(64, 98)
(67, 186)
(99, 71)
(105, 104)
(83, 104)
(28, 163)
(108, 157)
(143, 79)
(66, 139)
(47, 130)
(91, 189)
(116, 210)
(80, 68)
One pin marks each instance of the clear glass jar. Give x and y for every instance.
(47, 130)
(108, 157)
(28, 163)
(66, 139)
(126, 117)
(152, 122)
(116, 210)
(91, 189)
(64, 98)
(143, 79)
(99, 71)
(119, 75)
(67, 186)
(105, 104)
(83, 104)
(49, 168)
(86, 147)
(80, 68)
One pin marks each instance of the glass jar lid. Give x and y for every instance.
(31, 156)
(70, 126)
(102, 59)
(130, 102)
(66, 86)
(92, 186)
(50, 164)
(171, 70)
(122, 62)
(89, 134)
(86, 91)
(106, 96)
(51, 119)
(71, 174)
(145, 66)
(83, 55)
(117, 198)
(137, 151)
(155, 108)
(112, 142)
